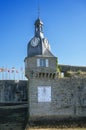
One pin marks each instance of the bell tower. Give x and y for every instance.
(41, 71)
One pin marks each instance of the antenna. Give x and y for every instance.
(38, 9)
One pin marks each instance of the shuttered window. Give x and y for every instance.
(46, 62)
(42, 63)
(38, 62)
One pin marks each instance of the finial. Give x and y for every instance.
(38, 9)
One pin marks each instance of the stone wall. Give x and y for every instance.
(65, 68)
(68, 98)
(31, 66)
(13, 91)
(13, 105)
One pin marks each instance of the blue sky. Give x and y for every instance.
(64, 26)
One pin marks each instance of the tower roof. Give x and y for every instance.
(39, 45)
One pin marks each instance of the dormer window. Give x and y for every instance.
(42, 63)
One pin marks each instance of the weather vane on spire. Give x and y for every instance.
(38, 9)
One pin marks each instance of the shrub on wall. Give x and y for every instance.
(68, 74)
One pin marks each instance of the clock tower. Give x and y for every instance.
(41, 71)
(38, 45)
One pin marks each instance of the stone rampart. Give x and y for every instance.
(65, 68)
(13, 105)
(68, 98)
(13, 91)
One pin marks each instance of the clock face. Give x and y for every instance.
(35, 42)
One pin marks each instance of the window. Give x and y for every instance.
(42, 62)
(44, 93)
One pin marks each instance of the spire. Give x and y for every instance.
(39, 28)
(38, 23)
(38, 9)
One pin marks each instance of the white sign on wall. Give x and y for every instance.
(44, 93)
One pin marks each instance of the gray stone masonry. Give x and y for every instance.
(68, 98)
(13, 91)
(67, 94)
(31, 66)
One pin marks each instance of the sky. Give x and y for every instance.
(64, 27)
